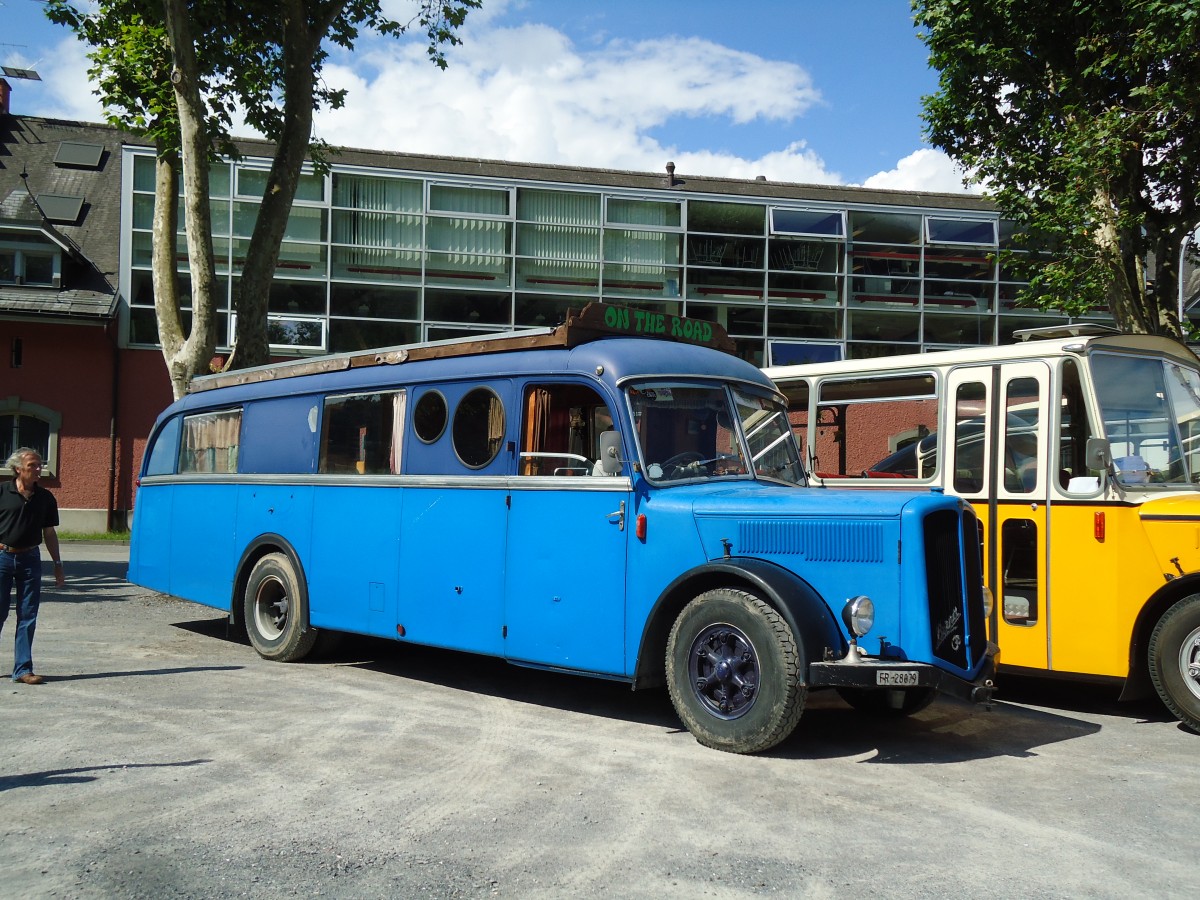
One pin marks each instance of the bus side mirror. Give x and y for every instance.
(1098, 454)
(610, 452)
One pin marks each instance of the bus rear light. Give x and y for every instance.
(640, 528)
(1098, 527)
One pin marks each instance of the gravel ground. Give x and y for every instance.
(164, 759)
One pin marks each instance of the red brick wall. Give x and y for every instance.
(69, 368)
(145, 391)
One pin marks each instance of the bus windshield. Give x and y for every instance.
(689, 432)
(1151, 413)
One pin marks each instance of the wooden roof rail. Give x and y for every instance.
(593, 322)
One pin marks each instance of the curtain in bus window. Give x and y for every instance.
(495, 426)
(537, 426)
(398, 406)
(210, 443)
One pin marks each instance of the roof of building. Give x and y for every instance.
(75, 206)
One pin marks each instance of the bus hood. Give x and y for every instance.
(850, 525)
(1184, 506)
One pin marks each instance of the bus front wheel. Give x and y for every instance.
(1174, 655)
(274, 613)
(733, 671)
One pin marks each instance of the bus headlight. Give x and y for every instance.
(859, 615)
(989, 602)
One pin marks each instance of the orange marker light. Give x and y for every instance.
(1098, 527)
(640, 529)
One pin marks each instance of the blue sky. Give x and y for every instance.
(811, 91)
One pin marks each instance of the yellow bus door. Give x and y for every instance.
(1021, 467)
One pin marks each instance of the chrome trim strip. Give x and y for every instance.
(604, 483)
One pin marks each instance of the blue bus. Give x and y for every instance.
(616, 497)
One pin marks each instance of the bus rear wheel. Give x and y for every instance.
(274, 611)
(733, 672)
(1174, 656)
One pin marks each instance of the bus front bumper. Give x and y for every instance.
(870, 673)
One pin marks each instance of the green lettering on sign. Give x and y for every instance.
(640, 321)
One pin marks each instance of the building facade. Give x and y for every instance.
(393, 248)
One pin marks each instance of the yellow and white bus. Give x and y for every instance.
(1079, 448)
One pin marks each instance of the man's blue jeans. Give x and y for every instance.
(22, 572)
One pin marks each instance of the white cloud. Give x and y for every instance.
(795, 163)
(528, 94)
(64, 91)
(924, 170)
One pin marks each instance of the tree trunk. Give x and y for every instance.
(1128, 310)
(195, 354)
(253, 293)
(163, 273)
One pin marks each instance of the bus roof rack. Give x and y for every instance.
(593, 322)
(1049, 332)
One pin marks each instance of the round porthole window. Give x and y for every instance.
(478, 427)
(429, 417)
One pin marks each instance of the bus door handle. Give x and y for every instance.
(620, 514)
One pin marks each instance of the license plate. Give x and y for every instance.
(896, 678)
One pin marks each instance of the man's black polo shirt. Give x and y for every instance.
(21, 520)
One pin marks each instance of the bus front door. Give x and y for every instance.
(565, 573)
(1021, 472)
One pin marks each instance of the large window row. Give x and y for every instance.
(372, 259)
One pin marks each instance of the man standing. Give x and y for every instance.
(28, 515)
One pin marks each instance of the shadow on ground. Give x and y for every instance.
(948, 731)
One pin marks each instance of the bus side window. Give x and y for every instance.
(970, 417)
(361, 434)
(877, 427)
(560, 433)
(1074, 431)
(477, 428)
(163, 454)
(1019, 558)
(210, 442)
(1021, 436)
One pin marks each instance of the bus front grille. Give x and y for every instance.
(955, 588)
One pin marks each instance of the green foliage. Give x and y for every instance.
(242, 56)
(1082, 119)
(262, 59)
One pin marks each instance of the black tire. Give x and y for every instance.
(734, 672)
(1174, 656)
(884, 703)
(274, 611)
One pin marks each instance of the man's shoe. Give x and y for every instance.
(30, 678)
